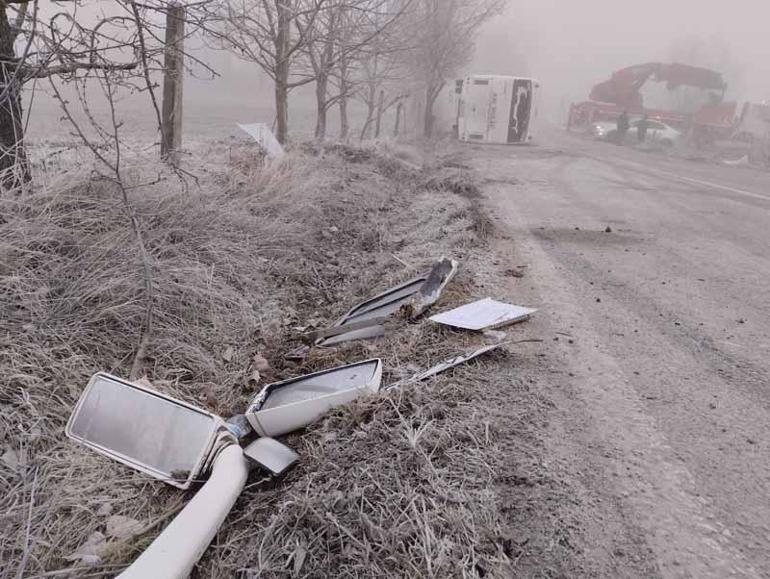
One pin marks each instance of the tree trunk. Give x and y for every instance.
(343, 104)
(282, 40)
(14, 170)
(321, 84)
(428, 115)
(173, 82)
(370, 108)
(431, 94)
(380, 106)
(397, 126)
(281, 112)
(344, 121)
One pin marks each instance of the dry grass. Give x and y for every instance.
(399, 485)
(394, 486)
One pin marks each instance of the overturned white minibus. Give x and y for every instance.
(497, 109)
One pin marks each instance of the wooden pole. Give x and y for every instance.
(380, 105)
(173, 75)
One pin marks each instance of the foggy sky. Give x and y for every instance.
(570, 45)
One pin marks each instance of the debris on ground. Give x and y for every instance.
(363, 320)
(271, 455)
(486, 314)
(126, 420)
(494, 335)
(238, 267)
(366, 333)
(430, 291)
(446, 365)
(295, 403)
(740, 162)
(262, 134)
(348, 332)
(298, 354)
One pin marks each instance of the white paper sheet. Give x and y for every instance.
(484, 314)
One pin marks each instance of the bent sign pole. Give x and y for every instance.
(177, 549)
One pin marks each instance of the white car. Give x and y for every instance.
(657, 132)
(602, 129)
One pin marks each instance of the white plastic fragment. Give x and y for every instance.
(486, 314)
(372, 312)
(440, 275)
(445, 365)
(271, 454)
(495, 336)
(264, 136)
(369, 333)
(453, 362)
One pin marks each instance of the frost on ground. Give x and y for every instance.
(439, 479)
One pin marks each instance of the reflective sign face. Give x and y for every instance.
(143, 429)
(293, 404)
(319, 385)
(384, 304)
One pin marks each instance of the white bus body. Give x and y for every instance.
(498, 109)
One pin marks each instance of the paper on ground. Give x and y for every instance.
(264, 136)
(483, 315)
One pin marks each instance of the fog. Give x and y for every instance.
(570, 46)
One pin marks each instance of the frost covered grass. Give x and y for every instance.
(245, 256)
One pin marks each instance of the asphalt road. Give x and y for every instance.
(653, 279)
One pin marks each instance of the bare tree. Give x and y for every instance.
(442, 35)
(272, 34)
(13, 161)
(90, 59)
(106, 148)
(64, 41)
(57, 45)
(323, 48)
(343, 32)
(370, 60)
(341, 79)
(344, 76)
(381, 83)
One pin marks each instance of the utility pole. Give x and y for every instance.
(173, 75)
